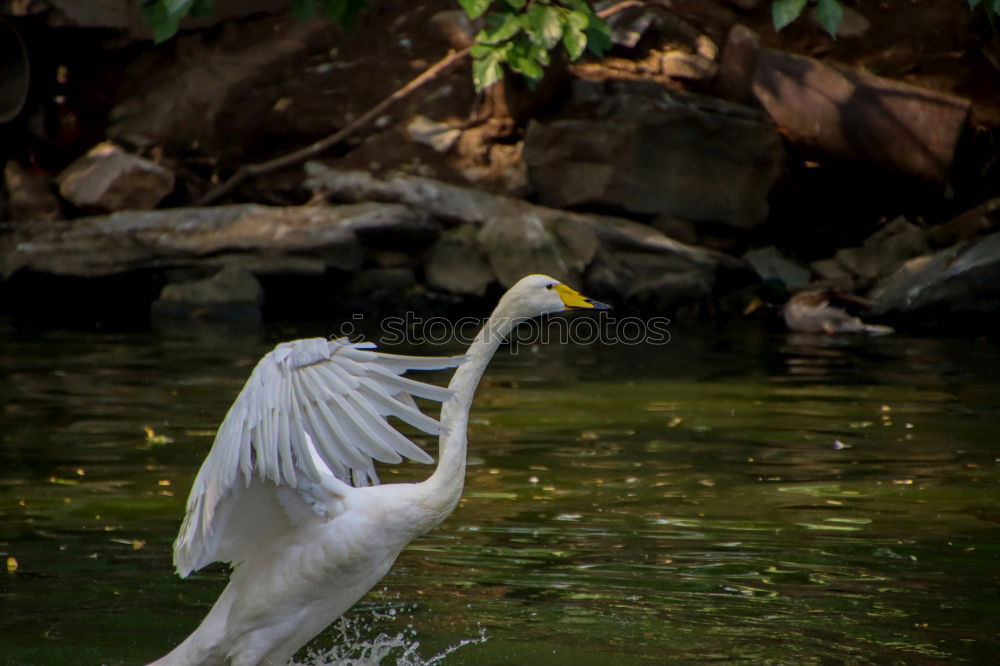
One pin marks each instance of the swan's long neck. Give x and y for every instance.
(444, 487)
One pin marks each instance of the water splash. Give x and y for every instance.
(353, 647)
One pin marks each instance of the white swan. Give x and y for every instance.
(274, 496)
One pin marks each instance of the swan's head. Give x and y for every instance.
(535, 295)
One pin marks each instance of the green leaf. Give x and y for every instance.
(488, 69)
(974, 3)
(499, 28)
(526, 66)
(574, 38)
(540, 55)
(481, 50)
(544, 24)
(528, 59)
(486, 72)
(598, 35)
(595, 29)
(576, 19)
(829, 13)
(159, 17)
(475, 8)
(516, 4)
(784, 12)
(165, 29)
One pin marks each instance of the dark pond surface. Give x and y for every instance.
(729, 497)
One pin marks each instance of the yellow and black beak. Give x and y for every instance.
(574, 300)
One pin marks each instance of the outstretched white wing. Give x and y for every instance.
(311, 408)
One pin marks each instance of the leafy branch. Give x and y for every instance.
(522, 34)
(519, 34)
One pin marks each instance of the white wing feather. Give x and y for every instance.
(313, 413)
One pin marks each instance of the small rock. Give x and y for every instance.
(706, 47)
(439, 136)
(521, 245)
(884, 251)
(228, 285)
(109, 179)
(30, 195)
(688, 66)
(457, 264)
(769, 263)
(232, 295)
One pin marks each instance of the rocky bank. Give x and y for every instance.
(704, 156)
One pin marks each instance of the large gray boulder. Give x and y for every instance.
(232, 295)
(456, 263)
(524, 243)
(953, 288)
(644, 152)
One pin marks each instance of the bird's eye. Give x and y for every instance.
(550, 285)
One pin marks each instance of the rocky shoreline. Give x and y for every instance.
(673, 181)
(412, 242)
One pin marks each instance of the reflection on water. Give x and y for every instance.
(726, 497)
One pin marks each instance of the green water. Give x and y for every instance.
(728, 497)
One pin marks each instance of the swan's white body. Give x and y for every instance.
(274, 496)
